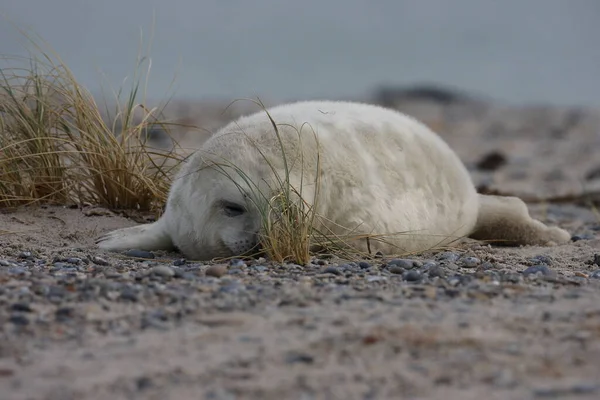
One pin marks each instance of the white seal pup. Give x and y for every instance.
(379, 172)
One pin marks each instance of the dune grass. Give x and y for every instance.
(56, 147)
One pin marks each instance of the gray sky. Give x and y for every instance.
(515, 50)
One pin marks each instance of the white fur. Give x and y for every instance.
(381, 172)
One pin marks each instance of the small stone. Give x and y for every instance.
(295, 358)
(129, 294)
(582, 236)
(235, 271)
(99, 261)
(135, 253)
(179, 262)
(19, 319)
(412, 276)
(596, 260)
(25, 255)
(402, 263)
(259, 268)
(4, 263)
(73, 260)
(332, 270)
(448, 256)
(216, 271)
(364, 265)
(394, 269)
(539, 269)
(23, 307)
(595, 274)
(64, 313)
(470, 262)
(143, 383)
(436, 271)
(542, 259)
(237, 263)
(163, 271)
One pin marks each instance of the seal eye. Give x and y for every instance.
(232, 209)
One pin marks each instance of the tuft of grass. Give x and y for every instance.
(56, 147)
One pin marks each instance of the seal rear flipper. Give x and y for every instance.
(142, 237)
(505, 220)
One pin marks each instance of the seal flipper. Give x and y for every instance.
(505, 220)
(142, 237)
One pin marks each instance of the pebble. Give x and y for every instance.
(25, 255)
(395, 269)
(179, 262)
(294, 358)
(4, 263)
(139, 254)
(470, 262)
(24, 307)
(402, 263)
(436, 271)
(99, 261)
(129, 294)
(448, 256)
(19, 319)
(364, 265)
(237, 263)
(259, 268)
(235, 271)
(596, 260)
(539, 269)
(582, 236)
(412, 276)
(216, 271)
(163, 271)
(332, 270)
(595, 274)
(541, 259)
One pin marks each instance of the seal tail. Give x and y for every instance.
(506, 220)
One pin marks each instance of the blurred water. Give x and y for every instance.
(515, 50)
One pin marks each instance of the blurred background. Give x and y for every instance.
(518, 51)
(513, 85)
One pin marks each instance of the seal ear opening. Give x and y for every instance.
(505, 220)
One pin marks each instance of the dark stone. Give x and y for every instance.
(582, 236)
(394, 269)
(179, 262)
(436, 271)
(595, 274)
(491, 161)
(542, 259)
(295, 358)
(64, 313)
(128, 294)
(19, 319)
(539, 269)
(332, 270)
(364, 265)
(412, 276)
(23, 307)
